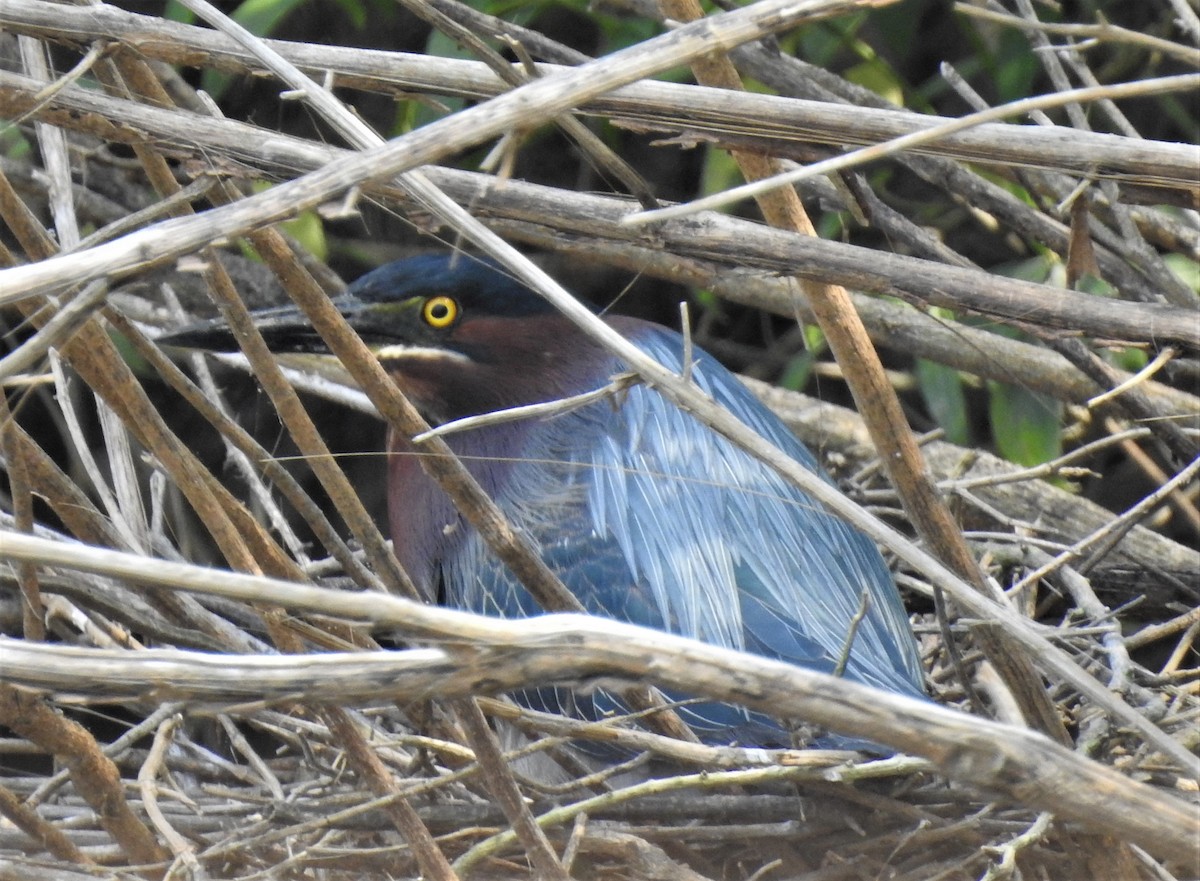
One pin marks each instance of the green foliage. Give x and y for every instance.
(619, 30)
(306, 228)
(832, 224)
(13, 143)
(822, 43)
(798, 371)
(1128, 359)
(720, 173)
(942, 390)
(1027, 426)
(414, 114)
(1090, 284)
(878, 76)
(1044, 268)
(356, 12)
(309, 230)
(264, 17)
(175, 11)
(131, 356)
(259, 17)
(1187, 269)
(1013, 67)
(707, 300)
(1182, 115)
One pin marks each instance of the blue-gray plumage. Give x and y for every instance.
(647, 515)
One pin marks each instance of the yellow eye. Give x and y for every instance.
(440, 312)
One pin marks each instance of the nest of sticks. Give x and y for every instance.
(209, 668)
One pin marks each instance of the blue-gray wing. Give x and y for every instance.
(739, 556)
(650, 517)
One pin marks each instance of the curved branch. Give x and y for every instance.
(488, 654)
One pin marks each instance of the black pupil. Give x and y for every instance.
(438, 311)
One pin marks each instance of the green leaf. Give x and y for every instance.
(1027, 427)
(876, 75)
(1044, 268)
(259, 17)
(831, 225)
(707, 300)
(13, 143)
(720, 172)
(814, 339)
(942, 390)
(130, 355)
(797, 372)
(356, 12)
(1090, 284)
(1128, 359)
(1016, 67)
(175, 11)
(822, 43)
(1186, 268)
(307, 228)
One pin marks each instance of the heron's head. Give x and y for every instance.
(459, 335)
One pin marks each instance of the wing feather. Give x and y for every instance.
(651, 517)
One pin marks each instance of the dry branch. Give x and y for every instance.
(707, 237)
(481, 654)
(286, 786)
(768, 119)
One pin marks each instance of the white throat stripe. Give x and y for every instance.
(402, 352)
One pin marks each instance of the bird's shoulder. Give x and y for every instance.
(652, 422)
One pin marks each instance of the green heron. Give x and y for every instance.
(647, 515)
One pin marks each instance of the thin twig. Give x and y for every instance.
(1104, 32)
(1140, 88)
(546, 410)
(185, 854)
